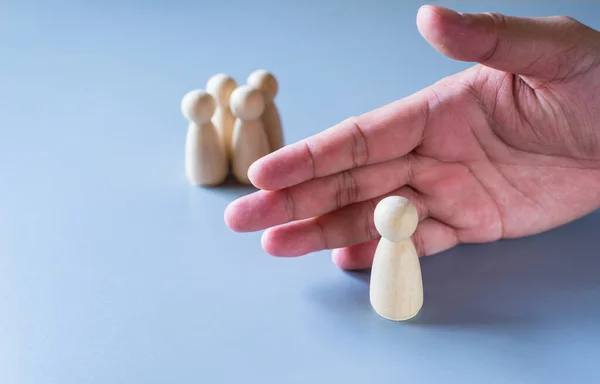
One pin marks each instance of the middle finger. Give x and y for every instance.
(265, 209)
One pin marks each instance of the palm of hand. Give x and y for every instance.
(499, 159)
(483, 154)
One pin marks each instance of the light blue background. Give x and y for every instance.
(114, 270)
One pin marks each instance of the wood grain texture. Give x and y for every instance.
(249, 144)
(396, 290)
(273, 127)
(268, 85)
(205, 158)
(221, 86)
(224, 120)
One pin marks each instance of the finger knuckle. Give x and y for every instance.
(499, 20)
(289, 205)
(346, 189)
(568, 20)
(310, 155)
(499, 23)
(370, 230)
(360, 149)
(419, 243)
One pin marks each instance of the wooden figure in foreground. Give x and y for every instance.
(396, 288)
(267, 84)
(220, 86)
(205, 158)
(250, 141)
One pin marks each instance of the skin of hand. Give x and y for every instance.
(508, 148)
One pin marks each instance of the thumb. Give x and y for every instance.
(546, 48)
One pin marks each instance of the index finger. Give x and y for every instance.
(382, 134)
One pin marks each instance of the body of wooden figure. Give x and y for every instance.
(205, 158)
(220, 86)
(396, 287)
(249, 141)
(267, 84)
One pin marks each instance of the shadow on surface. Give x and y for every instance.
(362, 275)
(550, 277)
(343, 296)
(233, 189)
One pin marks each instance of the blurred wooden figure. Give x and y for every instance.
(220, 86)
(396, 287)
(267, 84)
(205, 158)
(250, 141)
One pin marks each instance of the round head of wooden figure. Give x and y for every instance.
(396, 218)
(198, 106)
(220, 86)
(265, 82)
(247, 102)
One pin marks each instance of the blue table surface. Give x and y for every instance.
(114, 270)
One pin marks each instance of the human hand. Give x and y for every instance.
(508, 148)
